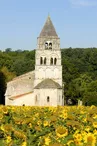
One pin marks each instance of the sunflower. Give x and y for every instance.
(90, 139)
(7, 127)
(95, 132)
(39, 122)
(8, 139)
(30, 125)
(70, 142)
(37, 128)
(84, 133)
(53, 118)
(85, 120)
(24, 143)
(95, 116)
(5, 110)
(46, 123)
(56, 144)
(64, 114)
(1, 116)
(61, 131)
(93, 106)
(20, 134)
(47, 140)
(78, 143)
(87, 128)
(78, 137)
(95, 124)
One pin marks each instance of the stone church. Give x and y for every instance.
(43, 86)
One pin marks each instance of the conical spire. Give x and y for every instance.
(48, 29)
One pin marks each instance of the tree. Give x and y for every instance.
(90, 96)
(9, 75)
(78, 87)
(8, 50)
(2, 88)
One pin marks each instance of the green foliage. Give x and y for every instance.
(17, 62)
(9, 75)
(2, 87)
(78, 87)
(79, 68)
(8, 50)
(90, 98)
(92, 87)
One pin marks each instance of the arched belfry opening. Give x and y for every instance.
(46, 45)
(45, 61)
(50, 46)
(55, 61)
(51, 61)
(41, 60)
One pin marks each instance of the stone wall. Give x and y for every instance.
(20, 85)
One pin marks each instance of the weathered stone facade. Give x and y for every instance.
(46, 80)
(19, 87)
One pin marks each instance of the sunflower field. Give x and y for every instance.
(48, 126)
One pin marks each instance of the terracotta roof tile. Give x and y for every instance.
(18, 96)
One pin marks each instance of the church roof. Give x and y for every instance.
(48, 29)
(21, 85)
(18, 96)
(48, 83)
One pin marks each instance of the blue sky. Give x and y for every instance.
(22, 20)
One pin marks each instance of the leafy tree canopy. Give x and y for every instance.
(2, 87)
(79, 69)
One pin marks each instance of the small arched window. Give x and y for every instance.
(45, 60)
(46, 45)
(51, 61)
(55, 61)
(41, 60)
(50, 45)
(48, 99)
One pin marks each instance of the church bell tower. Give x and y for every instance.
(48, 68)
(48, 55)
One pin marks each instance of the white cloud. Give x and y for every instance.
(83, 3)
